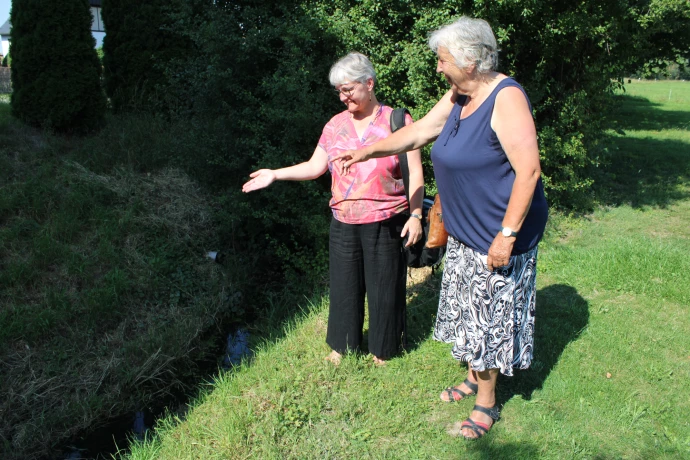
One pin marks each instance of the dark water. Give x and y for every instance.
(116, 433)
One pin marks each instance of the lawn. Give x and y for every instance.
(611, 372)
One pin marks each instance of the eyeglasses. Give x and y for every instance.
(347, 91)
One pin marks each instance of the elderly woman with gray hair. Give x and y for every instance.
(371, 216)
(486, 162)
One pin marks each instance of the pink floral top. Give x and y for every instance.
(373, 190)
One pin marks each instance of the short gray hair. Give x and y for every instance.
(351, 68)
(470, 41)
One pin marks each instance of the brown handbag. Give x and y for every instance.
(437, 236)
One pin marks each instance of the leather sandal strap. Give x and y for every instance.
(472, 386)
(477, 427)
(492, 412)
(451, 394)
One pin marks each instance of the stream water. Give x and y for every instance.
(116, 433)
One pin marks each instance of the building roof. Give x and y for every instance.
(6, 28)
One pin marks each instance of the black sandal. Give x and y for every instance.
(480, 429)
(452, 391)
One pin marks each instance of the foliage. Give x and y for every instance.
(255, 95)
(136, 47)
(7, 61)
(58, 86)
(662, 70)
(564, 53)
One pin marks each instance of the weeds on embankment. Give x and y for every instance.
(106, 296)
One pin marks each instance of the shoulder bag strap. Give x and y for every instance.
(397, 121)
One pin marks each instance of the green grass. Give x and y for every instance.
(611, 372)
(106, 297)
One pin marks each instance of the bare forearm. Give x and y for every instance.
(302, 171)
(416, 192)
(416, 135)
(520, 200)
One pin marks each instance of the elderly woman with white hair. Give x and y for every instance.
(486, 162)
(371, 216)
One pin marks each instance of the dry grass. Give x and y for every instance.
(113, 309)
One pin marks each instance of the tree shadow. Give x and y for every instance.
(561, 315)
(644, 171)
(492, 450)
(639, 113)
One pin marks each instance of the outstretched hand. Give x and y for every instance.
(260, 179)
(348, 158)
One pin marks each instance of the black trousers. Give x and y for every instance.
(367, 258)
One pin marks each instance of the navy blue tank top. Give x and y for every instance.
(475, 179)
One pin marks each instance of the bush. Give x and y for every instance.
(567, 55)
(55, 69)
(136, 48)
(256, 95)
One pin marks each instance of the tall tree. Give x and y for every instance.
(137, 46)
(55, 68)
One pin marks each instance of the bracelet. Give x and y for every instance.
(417, 216)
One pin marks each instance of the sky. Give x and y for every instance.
(5, 10)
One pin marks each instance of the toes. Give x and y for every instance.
(469, 434)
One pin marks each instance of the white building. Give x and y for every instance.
(5, 37)
(97, 29)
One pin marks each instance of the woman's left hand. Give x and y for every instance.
(499, 252)
(413, 230)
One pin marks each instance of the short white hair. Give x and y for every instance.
(351, 68)
(470, 41)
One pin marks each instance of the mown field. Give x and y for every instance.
(611, 372)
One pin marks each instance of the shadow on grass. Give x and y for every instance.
(644, 172)
(513, 451)
(639, 113)
(561, 315)
(649, 171)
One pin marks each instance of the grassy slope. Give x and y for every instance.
(612, 360)
(105, 293)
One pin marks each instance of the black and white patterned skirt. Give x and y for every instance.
(488, 316)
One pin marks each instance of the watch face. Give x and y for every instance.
(506, 231)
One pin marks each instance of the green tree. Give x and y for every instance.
(255, 94)
(137, 47)
(55, 69)
(569, 55)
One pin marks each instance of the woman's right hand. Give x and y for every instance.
(259, 179)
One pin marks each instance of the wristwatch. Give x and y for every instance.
(508, 232)
(418, 216)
